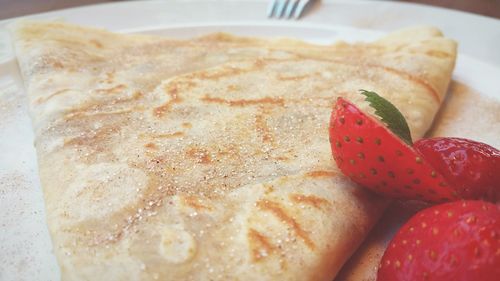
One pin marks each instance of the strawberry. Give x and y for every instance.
(471, 168)
(375, 157)
(458, 241)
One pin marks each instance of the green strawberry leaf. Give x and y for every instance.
(390, 115)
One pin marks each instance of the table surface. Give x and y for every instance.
(15, 8)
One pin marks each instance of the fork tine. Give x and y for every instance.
(300, 8)
(290, 7)
(270, 8)
(278, 12)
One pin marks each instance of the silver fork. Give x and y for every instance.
(286, 8)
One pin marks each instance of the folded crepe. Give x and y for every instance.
(208, 158)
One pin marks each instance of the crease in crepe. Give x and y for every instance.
(209, 157)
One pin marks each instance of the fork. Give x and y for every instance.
(286, 8)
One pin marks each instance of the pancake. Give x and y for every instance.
(208, 159)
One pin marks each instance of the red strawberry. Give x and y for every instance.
(471, 168)
(372, 156)
(458, 241)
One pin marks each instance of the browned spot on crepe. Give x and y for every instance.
(109, 78)
(260, 245)
(151, 145)
(281, 158)
(315, 201)
(55, 63)
(233, 87)
(78, 115)
(104, 107)
(114, 90)
(201, 155)
(319, 174)
(291, 78)
(244, 102)
(437, 54)
(269, 188)
(226, 71)
(96, 43)
(92, 137)
(195, 203)
(172, 90)
(279, 211)
(44, 99)
(168, 135)
(262, 127)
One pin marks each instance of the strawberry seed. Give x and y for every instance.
(471, 220)
(432, 255)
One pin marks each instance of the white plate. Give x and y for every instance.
(25, 247)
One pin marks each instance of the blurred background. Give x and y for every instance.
(15, 8)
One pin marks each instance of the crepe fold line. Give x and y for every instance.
(208, 158)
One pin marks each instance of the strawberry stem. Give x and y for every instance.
(390, 115)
